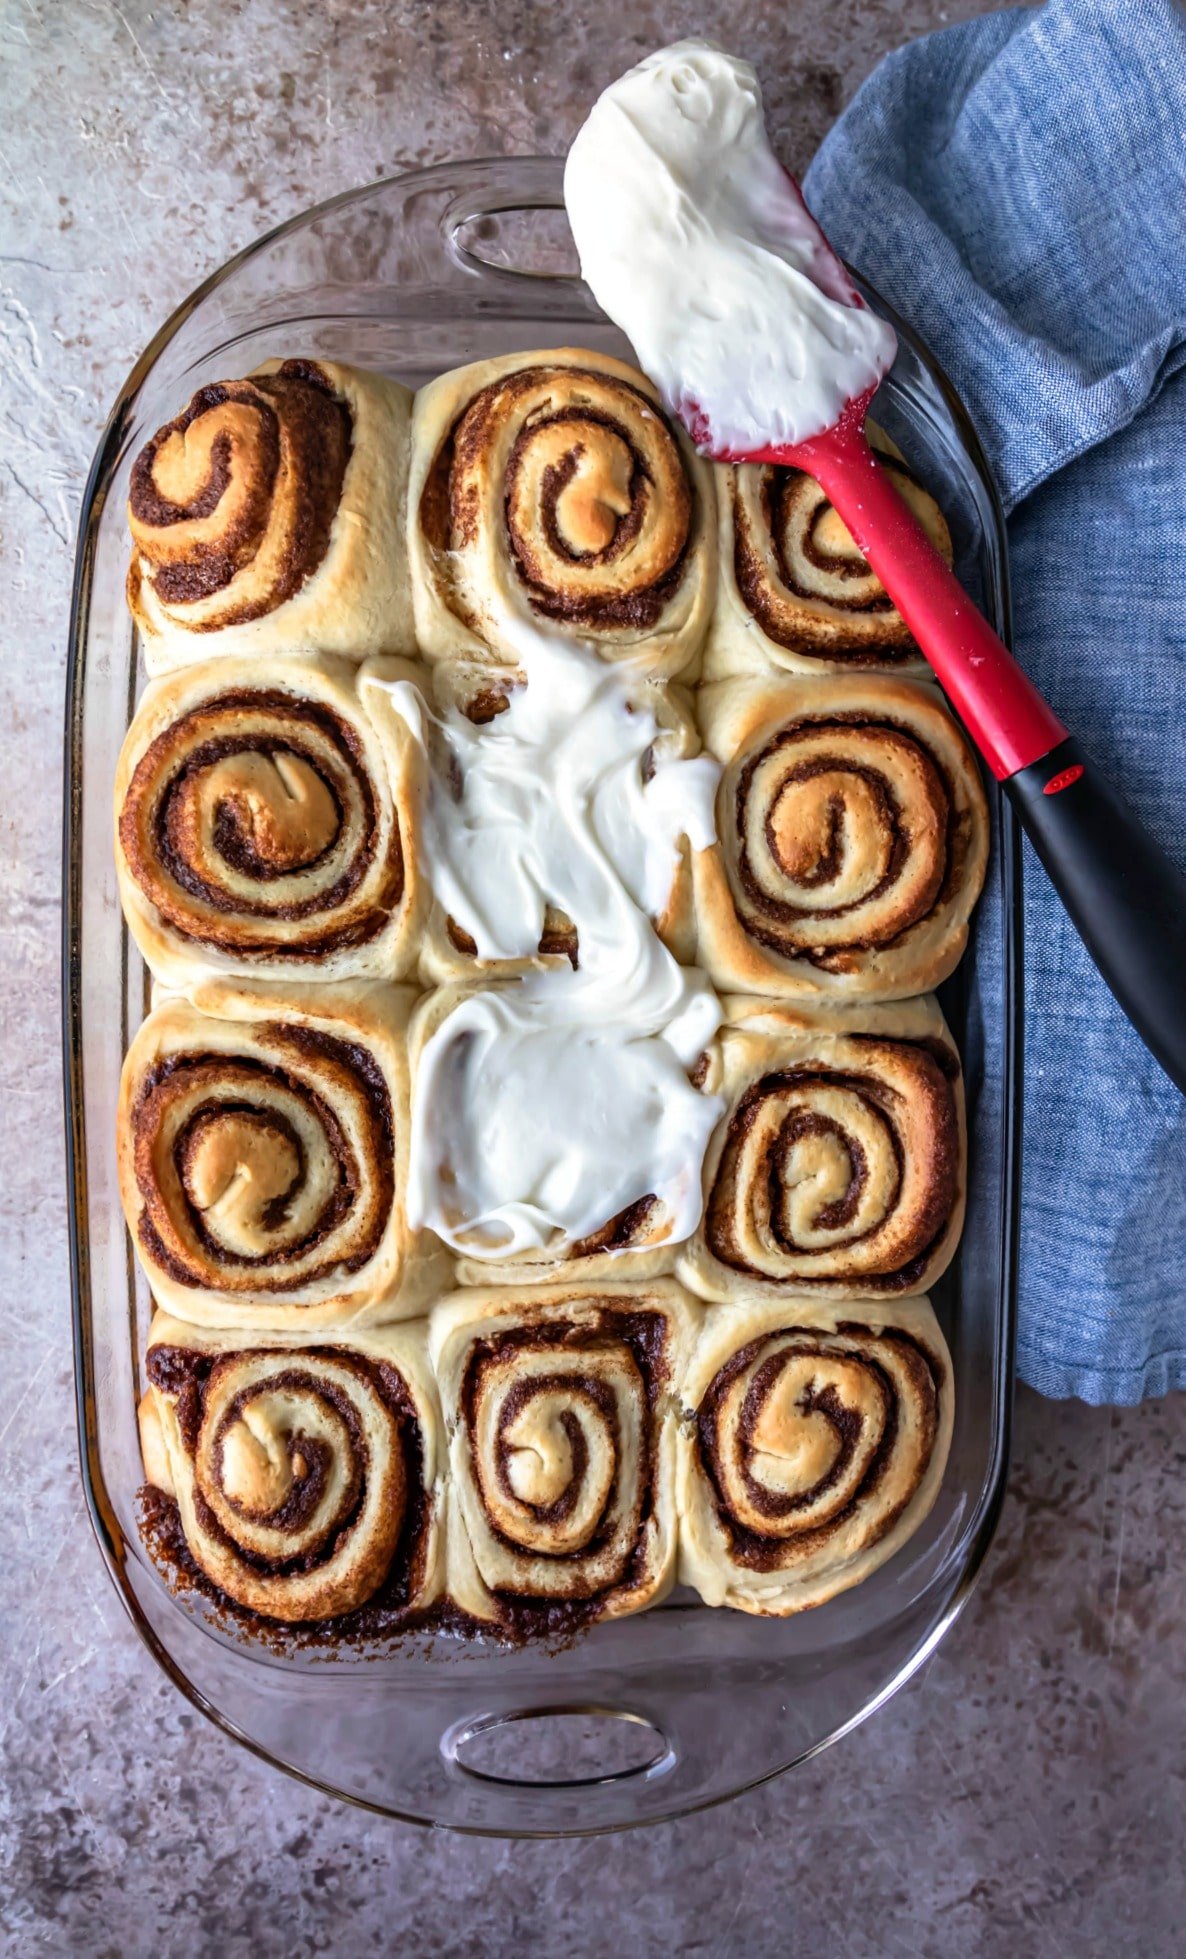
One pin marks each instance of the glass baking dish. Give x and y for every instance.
(649, 1717)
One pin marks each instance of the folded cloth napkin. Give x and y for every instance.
(1016, 188)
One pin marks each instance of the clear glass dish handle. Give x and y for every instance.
(517, 237)
(566, 1745)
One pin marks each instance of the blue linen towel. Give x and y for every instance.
(1016, 188)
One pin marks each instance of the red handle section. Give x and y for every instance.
(999, 705)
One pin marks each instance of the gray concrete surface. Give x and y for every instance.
(1025, 1795)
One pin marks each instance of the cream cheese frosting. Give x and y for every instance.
(698, 245)
(545, 1107)
(567, 798)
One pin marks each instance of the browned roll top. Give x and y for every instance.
(559, 1419)
(801, 576)
(242, 488)
(254, 813)
(298, 1474)
(586, 476)
(264, 1171)
(846, 834)
(640, 1225)
(841, 1170)
(815, 1443)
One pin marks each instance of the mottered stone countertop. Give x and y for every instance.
(1025, 1794)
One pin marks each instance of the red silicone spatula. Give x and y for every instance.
(1126, 898)
(701, 248)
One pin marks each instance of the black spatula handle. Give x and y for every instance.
(1126, 897)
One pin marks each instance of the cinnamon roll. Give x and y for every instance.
(838, 1168)
(812, 1448)
(263, 823)
(308, 1479)
(560, 1409)
(552, 487)
(269, 517)
(480, 695)
(796, 596)
(513, 830)
(852, 838)
(482, 1130)
(263, 1146)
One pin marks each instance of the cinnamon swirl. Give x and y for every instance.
(852, 838)
(838, 1167)
(308, 1478)
(269, 516)
(796, 596)
(263, 1146)
(263, 823)
(813, 1447)
(560, 1409)
(551, 487)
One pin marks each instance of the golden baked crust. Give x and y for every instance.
(852, 838)
(838, 1169)
(551, 487)
(264, 823)
(306, 1474)
(262, 1139)
(812, 1447)
(560, 1407)
(795, 595)
(269, 517)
